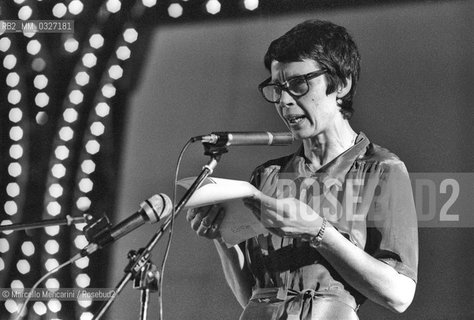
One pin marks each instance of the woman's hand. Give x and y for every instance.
(206, 220)
(286, 216)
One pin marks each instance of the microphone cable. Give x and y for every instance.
(168, 244)
(37, 283)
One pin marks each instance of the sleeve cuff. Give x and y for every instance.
(401, 268)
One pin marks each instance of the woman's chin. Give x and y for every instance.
(301, 134)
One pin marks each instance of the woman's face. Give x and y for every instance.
(311, 114)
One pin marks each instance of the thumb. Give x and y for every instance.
(266, 200)
(269, 201)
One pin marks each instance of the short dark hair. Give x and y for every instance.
(329, 45)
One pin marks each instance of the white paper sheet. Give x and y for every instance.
(239, 223)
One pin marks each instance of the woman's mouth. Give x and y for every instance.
(295, 119)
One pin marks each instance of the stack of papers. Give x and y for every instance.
(239, 223)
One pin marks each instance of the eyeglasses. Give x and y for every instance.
(296, 87)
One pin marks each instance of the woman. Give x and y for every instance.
(340, 211)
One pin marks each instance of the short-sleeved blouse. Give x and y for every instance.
(365, 193)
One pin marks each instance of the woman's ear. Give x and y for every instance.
(344, 89)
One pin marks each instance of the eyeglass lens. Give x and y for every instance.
(296, 86)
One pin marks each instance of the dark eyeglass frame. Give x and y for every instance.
(285, 87)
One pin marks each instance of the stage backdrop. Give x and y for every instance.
(415, 98)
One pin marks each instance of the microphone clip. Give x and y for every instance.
(214, 150)
(215, 144)
(96, 229)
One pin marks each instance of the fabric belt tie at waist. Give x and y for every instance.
(300, 302)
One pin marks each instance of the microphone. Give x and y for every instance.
(157, 207)
(247, 138)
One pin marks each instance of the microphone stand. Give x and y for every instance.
(46, 223)
(141, 259)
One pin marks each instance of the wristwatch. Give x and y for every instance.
(316, 241)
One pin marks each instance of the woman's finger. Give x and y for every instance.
(211, 215)
(207, 220)
(201, 213)
(266, 200)
(191, 214)
(214, 231)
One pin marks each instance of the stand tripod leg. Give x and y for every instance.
(145, 301)
(109, 302)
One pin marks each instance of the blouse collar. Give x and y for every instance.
(336, 168)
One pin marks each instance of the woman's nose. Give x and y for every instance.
(286, 100)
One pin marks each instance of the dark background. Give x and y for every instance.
(415, 98)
